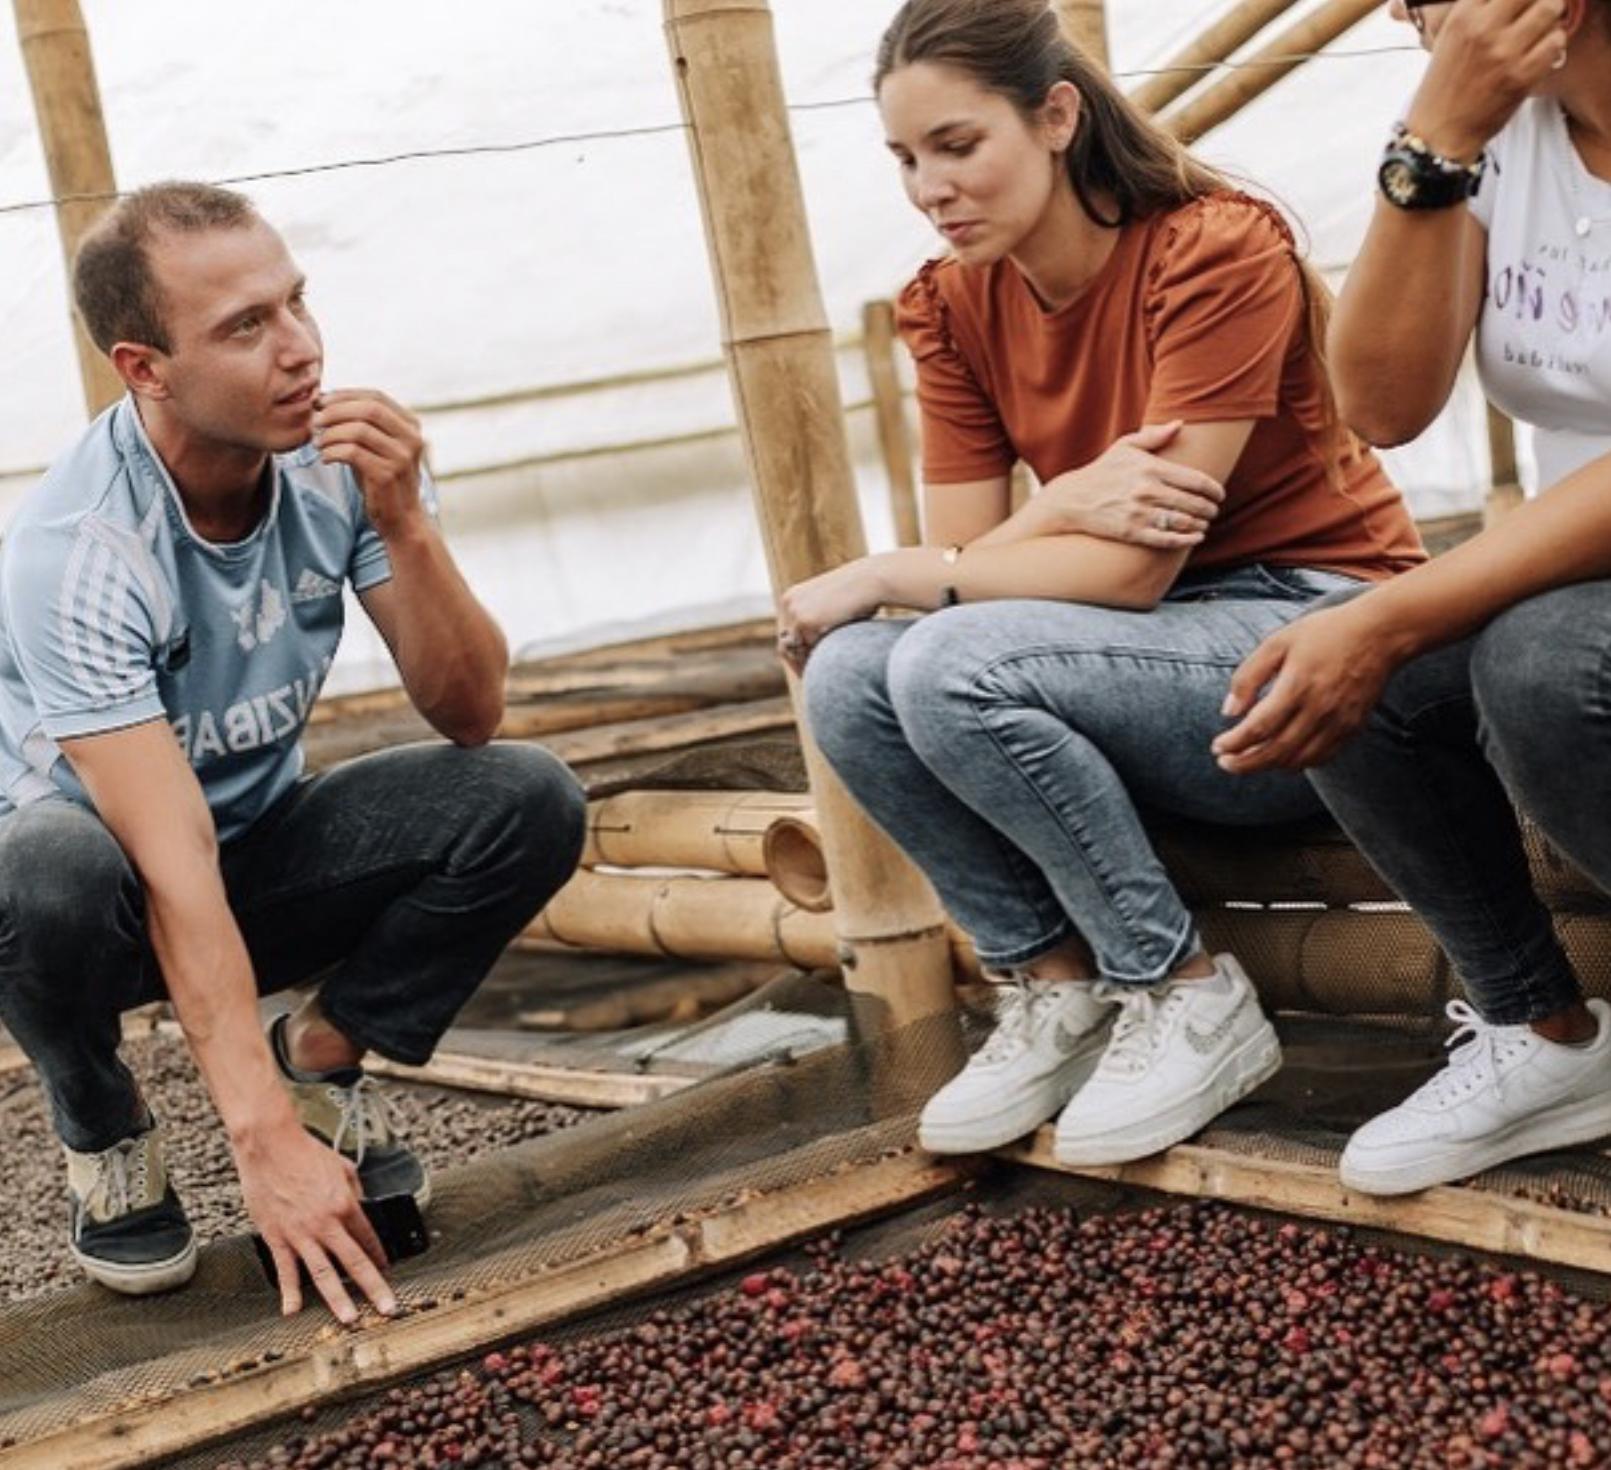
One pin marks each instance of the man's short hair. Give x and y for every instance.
(113, 283)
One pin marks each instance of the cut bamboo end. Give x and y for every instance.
(1473, 1218)
(793, 859)
(722, 831)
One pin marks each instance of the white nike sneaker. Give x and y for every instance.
(1506, 1091)
(1180, 1054)
(1048, 1037)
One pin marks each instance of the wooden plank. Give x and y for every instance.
(571, 1085)
(672, 732)
(382, 1353)
(1475, 1219)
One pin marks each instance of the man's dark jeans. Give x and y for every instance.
(401, 874)
(1519, 714)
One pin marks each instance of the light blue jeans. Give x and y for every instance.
(1006, 746)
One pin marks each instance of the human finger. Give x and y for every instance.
(1253, 673)
(1187, 477)
(288, 1274)
(376, 438)
(1279, 714)
(1547, 54)
(350, 406)
(354, 1244)
(1184, 504)
(1153, 436)
(327, 1281)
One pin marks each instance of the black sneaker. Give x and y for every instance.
(346, 1109)
(129, 1230)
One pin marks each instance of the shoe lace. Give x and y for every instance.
(121, 1176)
(365, 1116)
(1478, 1052)
(1138, 1028)
(1020, 1004)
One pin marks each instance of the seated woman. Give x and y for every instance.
(1482, 678)
(1113, 313)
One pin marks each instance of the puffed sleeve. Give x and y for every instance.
(1224, 298)
(963, 437)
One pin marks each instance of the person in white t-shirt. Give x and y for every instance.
(1428, 709)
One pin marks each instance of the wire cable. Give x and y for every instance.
(555, 140)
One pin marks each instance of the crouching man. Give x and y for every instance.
(170, 601)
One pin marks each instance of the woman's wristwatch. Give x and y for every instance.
(1412, 176)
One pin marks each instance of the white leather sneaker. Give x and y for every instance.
(1180, 1054)
(1506, 1091)
(1048, 1037)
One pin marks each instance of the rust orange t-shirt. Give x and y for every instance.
(1199, 314)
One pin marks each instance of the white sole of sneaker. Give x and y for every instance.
(143, 1280)
(1253, 1063)
(983, 1132)
(1561, 1127)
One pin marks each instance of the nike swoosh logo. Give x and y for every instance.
(1204, 1042)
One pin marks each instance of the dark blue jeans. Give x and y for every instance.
(1005, 746)
(398, 878)
(1519, 714)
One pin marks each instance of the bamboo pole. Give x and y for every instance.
(1261, 71)
(780, 358)
(1207, 49)
(67, 102)
(1506, 492)
(792, 852)
(698, 919)
(1085, 23)
(889, 403)
(723, 831)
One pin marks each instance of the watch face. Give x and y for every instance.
(1399, 182)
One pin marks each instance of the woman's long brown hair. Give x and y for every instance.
(1018, 50)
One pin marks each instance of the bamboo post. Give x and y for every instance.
(67, 102)
(1085, 23)
(1506, 493)
(780, 359)
(1261, 71)
(889, 403)
(1208, 49)
(723, 831)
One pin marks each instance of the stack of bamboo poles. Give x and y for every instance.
(705, 875)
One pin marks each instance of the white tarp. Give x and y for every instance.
(444, 278)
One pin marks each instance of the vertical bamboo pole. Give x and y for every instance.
(1085, 23)
(1506, 492)
(894, 439)
(780, 361)
(67, 102)
(1223, 39)
(1261, 71)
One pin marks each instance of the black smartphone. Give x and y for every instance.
(397, 1222)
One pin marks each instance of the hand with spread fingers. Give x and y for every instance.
(1305, 690)
(381, 442)
(1487, 56)
(1131, 493)
(812, 609)
(303, 1198)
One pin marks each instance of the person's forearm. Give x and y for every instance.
(451, 654)
(1061, 568)
(210, 982)
(1559, 538)
(1401, 324)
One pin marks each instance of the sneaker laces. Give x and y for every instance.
(1019, 1009)
(1477, 1051)
(121, 1177)
(1143, 1011)
(365, 1115)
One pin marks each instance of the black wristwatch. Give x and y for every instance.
(1412, 176)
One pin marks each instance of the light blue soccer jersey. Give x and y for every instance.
(113, 611)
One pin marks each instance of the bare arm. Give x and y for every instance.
(1402, 322)
(301, 1195)
(1322, 675)
(1070, 568)
(1413, 295)
(449, 651)
(957, 515)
